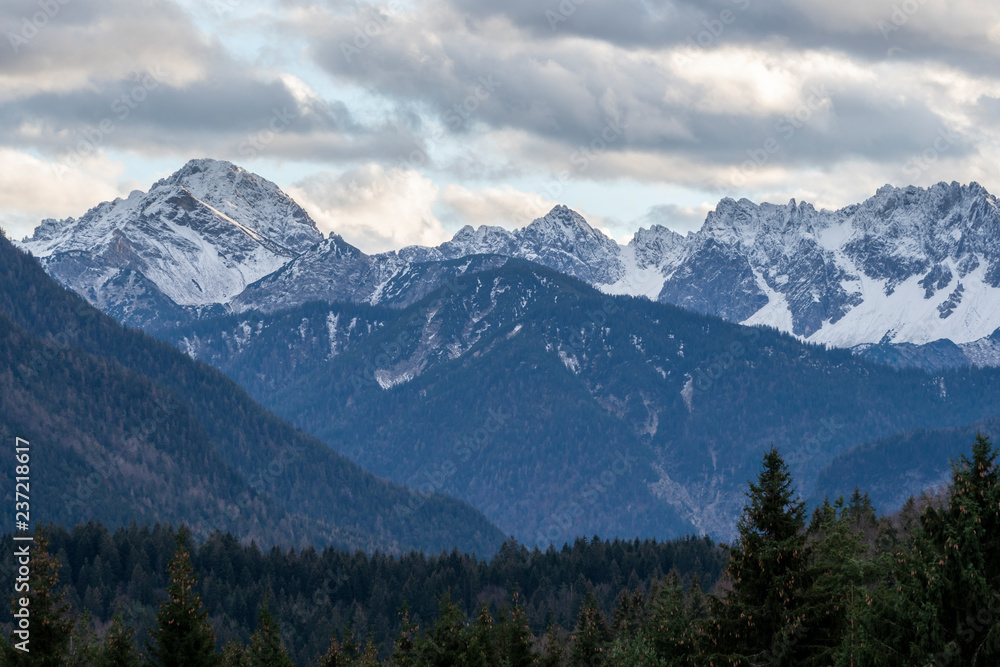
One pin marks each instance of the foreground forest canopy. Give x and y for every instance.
(838, 587)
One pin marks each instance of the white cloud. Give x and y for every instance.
(33, 189)
(502, 206)
(373, 207)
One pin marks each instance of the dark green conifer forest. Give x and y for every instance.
(841, 586)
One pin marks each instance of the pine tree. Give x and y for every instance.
(483, 646)
(634, 651)
(946, 598)
(668, 627)
(447, 641)
(234, 655)
(183, 636)
(555, 653)
(404, 653)
(515, 637)
(266, 649)
(335, 656)
(119, 648)
(591, 635)
(51, 626)
(760, 621)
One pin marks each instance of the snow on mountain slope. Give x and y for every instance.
(199, 237)
(909, 265)
(561, 240)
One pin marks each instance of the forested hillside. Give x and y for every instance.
(127, 428)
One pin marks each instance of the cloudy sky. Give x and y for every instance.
(397, 122)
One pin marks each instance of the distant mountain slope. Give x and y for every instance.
(620, 416)
(129, 428)
(893, 469)
(937, 355)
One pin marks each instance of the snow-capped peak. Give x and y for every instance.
(200, 236)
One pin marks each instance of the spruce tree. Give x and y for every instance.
(234, 655)
(266, 649)
(369, 654)
(590, 637)
(697, 607)
(183, 635)
(555, 653)
(404, 653)
(447, 641)
(839, 572)
(947, 584)
(630, 613)
(760, 620)
(634, 651)
(483, 646)
(84, 648)
(668, 626)
(119, 648)
(335, 656)
(514, 635)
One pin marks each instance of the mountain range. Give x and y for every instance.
(910, 276)
(557, 381)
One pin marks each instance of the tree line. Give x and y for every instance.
(837, 586)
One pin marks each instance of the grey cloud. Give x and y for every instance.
(567, 92)
(180, 91)
(869, 31)
(674, 217)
